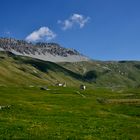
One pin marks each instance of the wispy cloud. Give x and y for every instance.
(75, 19)
(7, 32)
(42, 34)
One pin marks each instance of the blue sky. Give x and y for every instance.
(100, 29)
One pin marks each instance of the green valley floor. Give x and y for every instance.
(69, 114)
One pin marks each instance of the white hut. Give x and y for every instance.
(82, 87)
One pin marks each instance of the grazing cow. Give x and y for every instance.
(82, 87)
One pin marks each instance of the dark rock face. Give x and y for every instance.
(23, 47)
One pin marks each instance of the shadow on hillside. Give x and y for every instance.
(46, 66)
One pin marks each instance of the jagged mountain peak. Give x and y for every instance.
(41, 50)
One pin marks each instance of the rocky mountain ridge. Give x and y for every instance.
(44, 51)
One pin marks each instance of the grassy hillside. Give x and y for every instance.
(108, 74)
(27, 112)
(18, 70)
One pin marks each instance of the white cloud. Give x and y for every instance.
(42, 34)
(75, 19)
(7, 32)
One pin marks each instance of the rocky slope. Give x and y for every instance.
(44, 51)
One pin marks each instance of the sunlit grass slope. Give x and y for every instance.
(18, 70)
(108, 73)
(69, 114)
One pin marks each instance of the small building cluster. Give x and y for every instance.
(82, 87)
(61, 84)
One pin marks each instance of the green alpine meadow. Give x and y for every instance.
(32, 106)
(69, 69)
